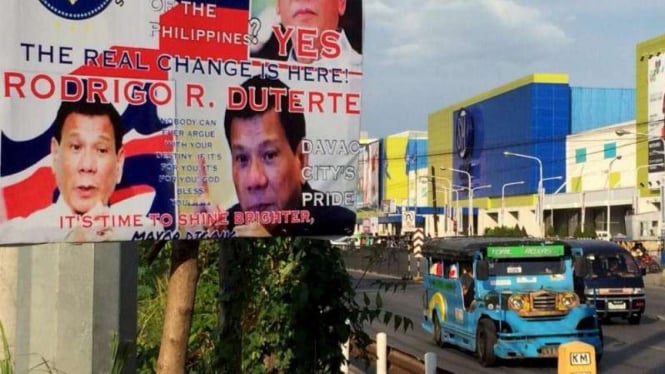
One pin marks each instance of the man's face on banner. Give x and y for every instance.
(266, 171)
(86, 164)
(319, 14)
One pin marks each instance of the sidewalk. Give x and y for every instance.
(654, 280)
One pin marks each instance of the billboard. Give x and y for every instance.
(368, 176)
(170, 120)
(656, 118)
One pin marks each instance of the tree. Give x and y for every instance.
(285, 305)
(179, 306)
(293, 305)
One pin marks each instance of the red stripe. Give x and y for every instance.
(31, 194)
(36, 192)
(154, 144)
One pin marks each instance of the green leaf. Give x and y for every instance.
(386, 317)
(378, 300)
(398, 322)
(408, 323)
(366, 299)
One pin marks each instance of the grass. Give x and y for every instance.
(6, 366)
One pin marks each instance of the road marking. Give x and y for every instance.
(655, 347)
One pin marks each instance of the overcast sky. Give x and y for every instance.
(424, 55)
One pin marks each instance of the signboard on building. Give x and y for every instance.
(367, 226)
(133, 120)
(368, 176)
(374, 224)
(656, 118)
(408, 221)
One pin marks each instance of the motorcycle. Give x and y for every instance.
(649, 263)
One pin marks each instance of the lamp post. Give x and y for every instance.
(447, 195)
(448, 213)
(558, 177)
(431, 177)
(609, 194)
(503, 193)
(648, 136)
(540, 186)
(457, 211)
(473, 189)
(470, 213)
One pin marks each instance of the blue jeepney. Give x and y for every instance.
(506, 298)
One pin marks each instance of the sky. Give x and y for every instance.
(420, 56)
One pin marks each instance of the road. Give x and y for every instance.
(628, 348)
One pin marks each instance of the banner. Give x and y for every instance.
(656, 119)
(368, 176)
(165, 119)
(408, 221)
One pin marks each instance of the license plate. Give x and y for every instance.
(616, 305)
(549, 351)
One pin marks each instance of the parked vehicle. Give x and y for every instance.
(614, 281)
(345, 243)
(648, 263)
(506, 298)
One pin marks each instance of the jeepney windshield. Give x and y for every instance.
(612, 264)
(527, 266)
(526, 260)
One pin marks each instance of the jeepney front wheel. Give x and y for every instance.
(485, 341)
(436, 329)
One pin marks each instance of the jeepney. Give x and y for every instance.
(523, 302)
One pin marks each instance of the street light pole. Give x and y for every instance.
(648, 136)
(457, 211)
(470, 213)
(540, 186)
(473, 189)
(558, 177)
(430, 177)
(448, 195)
(503, 193)
(609, 195)
(447, 215)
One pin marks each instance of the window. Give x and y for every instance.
(580, 155)
(610, 150)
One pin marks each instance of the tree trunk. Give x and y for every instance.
(229, 319)
(179, 306)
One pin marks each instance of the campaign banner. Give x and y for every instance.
(169, 119)
(656, 119)
(368, 176)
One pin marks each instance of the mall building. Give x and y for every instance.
(596, 152)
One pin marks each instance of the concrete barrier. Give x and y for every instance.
(393, 261)
(397, 361)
